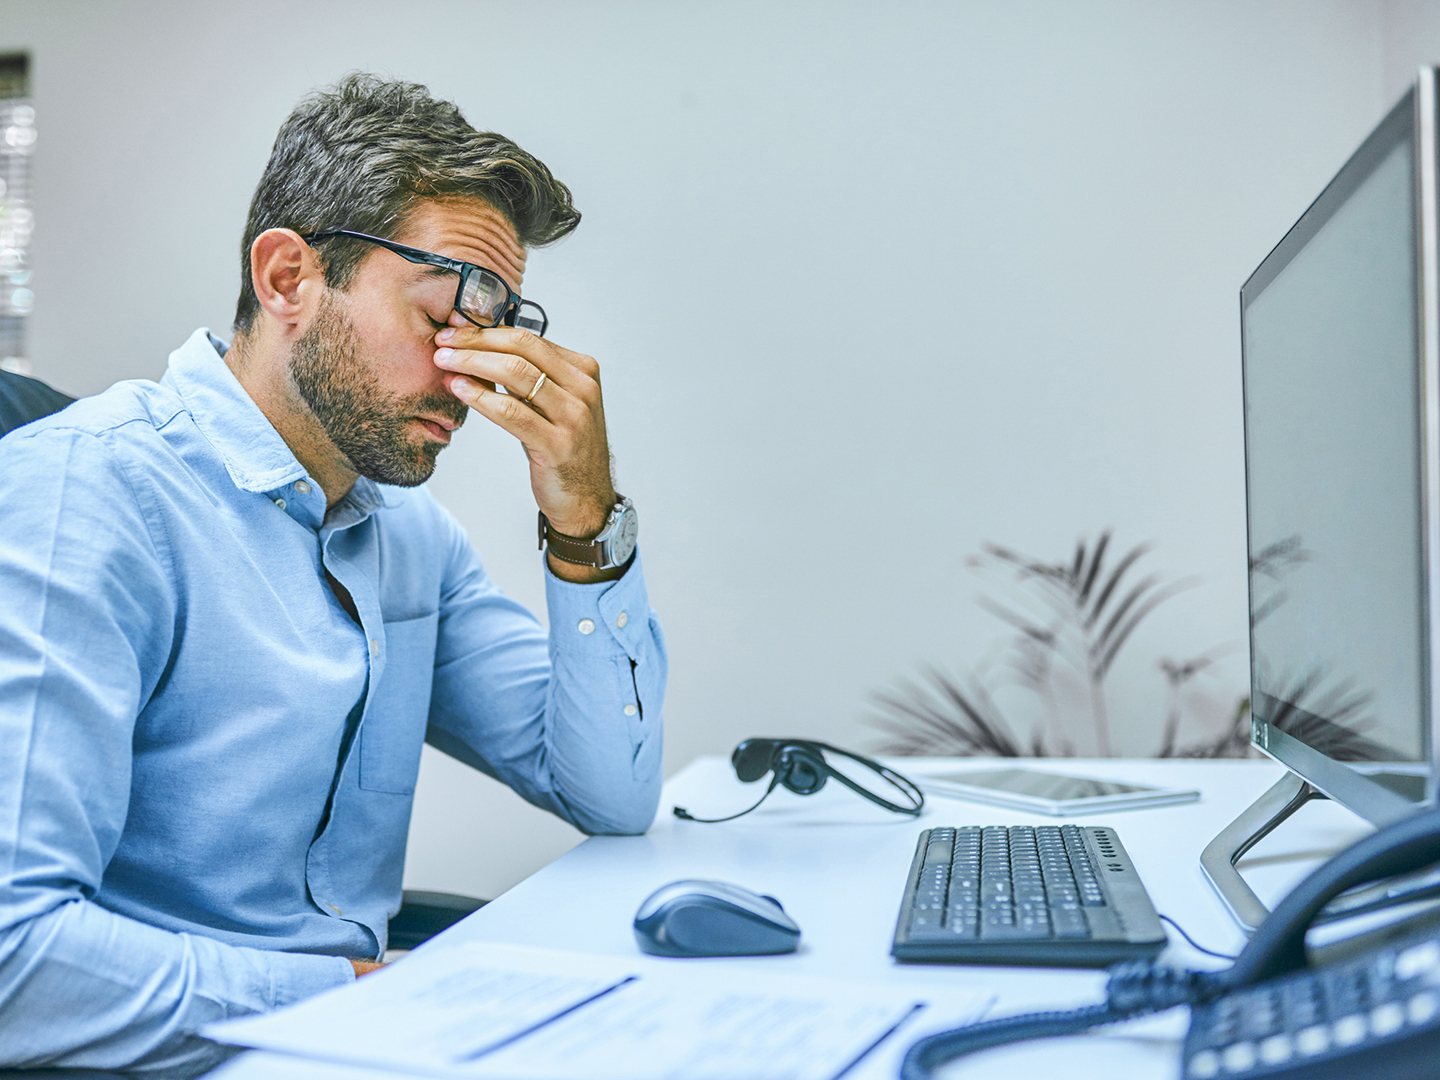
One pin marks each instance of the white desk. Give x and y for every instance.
(838, 865)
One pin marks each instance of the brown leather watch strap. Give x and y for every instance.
(579, 552)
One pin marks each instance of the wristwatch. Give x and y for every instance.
(613, 547)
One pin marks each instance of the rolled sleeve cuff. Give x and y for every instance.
(607, 618)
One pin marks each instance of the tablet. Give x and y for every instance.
(1050, 793)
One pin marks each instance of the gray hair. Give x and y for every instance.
(362, 154)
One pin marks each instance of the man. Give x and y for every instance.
(229, 618)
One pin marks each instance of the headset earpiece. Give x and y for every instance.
(801, 769)
(753, 758)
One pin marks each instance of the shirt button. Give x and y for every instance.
(302, 487)
(587, 626)
(336, 910)
(280, 503)
(621, 620)
(374, 647)
(629, 710)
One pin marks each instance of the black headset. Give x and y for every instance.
(800, 765)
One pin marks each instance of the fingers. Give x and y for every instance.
(517, 375)
(541, 380)
(504, 410)
(532, 354)
(563, 436)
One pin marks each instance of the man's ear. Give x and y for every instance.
(287, 277)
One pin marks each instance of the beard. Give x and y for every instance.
(369, 426)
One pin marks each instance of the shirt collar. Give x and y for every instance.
(255, 455)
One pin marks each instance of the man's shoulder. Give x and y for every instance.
(131, 409)
(121, 430)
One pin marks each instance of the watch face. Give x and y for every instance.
(627, 531)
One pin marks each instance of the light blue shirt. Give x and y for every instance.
(206, 766)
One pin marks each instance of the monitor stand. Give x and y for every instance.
(1221, 854)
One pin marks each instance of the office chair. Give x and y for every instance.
(23, 399)
(422, 914)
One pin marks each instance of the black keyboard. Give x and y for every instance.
(1050, 895)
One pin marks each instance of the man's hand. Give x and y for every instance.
(364, 967)
(562, 426)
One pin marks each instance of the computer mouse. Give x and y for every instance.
(713, 918)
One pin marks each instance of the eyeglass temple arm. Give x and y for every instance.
(405, 251)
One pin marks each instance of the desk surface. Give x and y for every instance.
(838, 865)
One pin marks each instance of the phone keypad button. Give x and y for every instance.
(1302, 1004)
(1313, 1040)
(1276, 1049)
(1417, 960)
(1238, 1057)
(1387, 1019)
(1422, 1007)
(1204, 1065)
(1349, 1030)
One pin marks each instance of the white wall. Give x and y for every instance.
(1412, 38)
(870, 285)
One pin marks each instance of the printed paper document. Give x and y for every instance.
(508, 1012)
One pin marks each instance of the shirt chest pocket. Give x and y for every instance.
(393, 731)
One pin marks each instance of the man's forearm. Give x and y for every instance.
(604, 723)
(86, 988)
(570, 719)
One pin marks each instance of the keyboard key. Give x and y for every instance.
(1011, 932)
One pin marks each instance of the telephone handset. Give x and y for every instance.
(1270, 1015)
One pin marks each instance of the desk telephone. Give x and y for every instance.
(1372, 1011)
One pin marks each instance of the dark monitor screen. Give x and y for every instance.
(1334, 437)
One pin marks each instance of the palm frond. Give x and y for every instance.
(1117, 640)
(1068, 619)
(1275, 561)
(935, 716)
(1278, 559)
(1331, 719)
(1095, 560)
(1112, 583)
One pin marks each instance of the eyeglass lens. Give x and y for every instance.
(483, 298)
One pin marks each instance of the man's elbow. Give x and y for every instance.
(621, 813)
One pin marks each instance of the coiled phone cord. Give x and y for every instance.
(1134, 989)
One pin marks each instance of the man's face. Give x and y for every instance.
(365, 365)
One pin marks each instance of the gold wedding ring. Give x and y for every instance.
(538, 383)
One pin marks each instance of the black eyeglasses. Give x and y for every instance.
(483, 297)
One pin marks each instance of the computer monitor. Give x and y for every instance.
(1342, 473)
